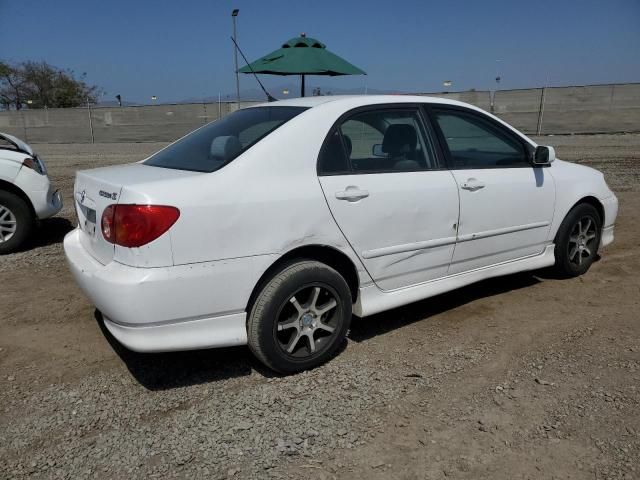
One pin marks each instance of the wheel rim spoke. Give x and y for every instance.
(288, 325)
(573, 252)
(312, 342)
(325, 327)
(294, 302)
(293, 342)
(314, 298)
(326, 307)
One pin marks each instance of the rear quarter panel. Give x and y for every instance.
(268, 201)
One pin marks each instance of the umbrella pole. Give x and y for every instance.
(302, 87)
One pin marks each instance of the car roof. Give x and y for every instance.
(349, 102)
(360, 100)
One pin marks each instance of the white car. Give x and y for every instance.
(26, 194)
(272, 226)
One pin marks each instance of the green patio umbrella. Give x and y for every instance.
(302, 56)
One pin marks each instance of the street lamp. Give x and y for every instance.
(234, 15)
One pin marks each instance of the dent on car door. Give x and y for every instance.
(506, 205)
(398, 210)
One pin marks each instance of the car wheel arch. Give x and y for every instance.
(326, 254)
(597, 204)
(11, 188)
(588, 199)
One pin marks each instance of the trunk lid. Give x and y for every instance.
(94, 190)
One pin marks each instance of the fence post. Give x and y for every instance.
(613, 89)
(24, 125)
(543, 94)
(90, 121)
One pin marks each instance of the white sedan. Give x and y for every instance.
(272, 226)
(26, 194)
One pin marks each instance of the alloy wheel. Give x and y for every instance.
(8, 224)
(581, 241)
(307, 322)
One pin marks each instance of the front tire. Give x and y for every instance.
(16, 222)
(578, 240)
(300, 317)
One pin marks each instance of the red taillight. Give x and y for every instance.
(136, 225)
(108, 232)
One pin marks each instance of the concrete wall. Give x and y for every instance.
(554, 110)
(481, 99)
(562, 110)
(111, 124)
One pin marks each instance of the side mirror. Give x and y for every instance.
(376, 151)
(543, 156)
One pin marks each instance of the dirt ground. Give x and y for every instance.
(521, 377)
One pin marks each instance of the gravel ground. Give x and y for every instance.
(525, 376)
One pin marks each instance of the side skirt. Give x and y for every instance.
(373, 300)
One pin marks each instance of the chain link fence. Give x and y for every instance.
(609, 108)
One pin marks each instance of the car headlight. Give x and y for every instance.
(34, 163)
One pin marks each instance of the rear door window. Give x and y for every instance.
(378, 141)
(216, 144)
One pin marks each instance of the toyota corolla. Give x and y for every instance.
(272, 226)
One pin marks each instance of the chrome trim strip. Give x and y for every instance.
(440, 242)
(501, 231)
(408, 247)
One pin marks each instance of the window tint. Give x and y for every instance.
(333, 158)
(379, 141)
(216, 144)
(6, 144)
(475, 143)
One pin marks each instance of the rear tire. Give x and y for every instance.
(300, 317)
(16, 222)
(578, 240)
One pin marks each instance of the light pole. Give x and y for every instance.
(234, 16)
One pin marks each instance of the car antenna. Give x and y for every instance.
(269, 97)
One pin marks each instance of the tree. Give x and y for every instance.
(43, 85)
(11, 86)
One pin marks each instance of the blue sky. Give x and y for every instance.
(181, 49)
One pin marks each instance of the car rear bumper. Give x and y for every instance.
(169, 308)
(222, 331)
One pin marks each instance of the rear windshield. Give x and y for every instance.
(216, 144)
